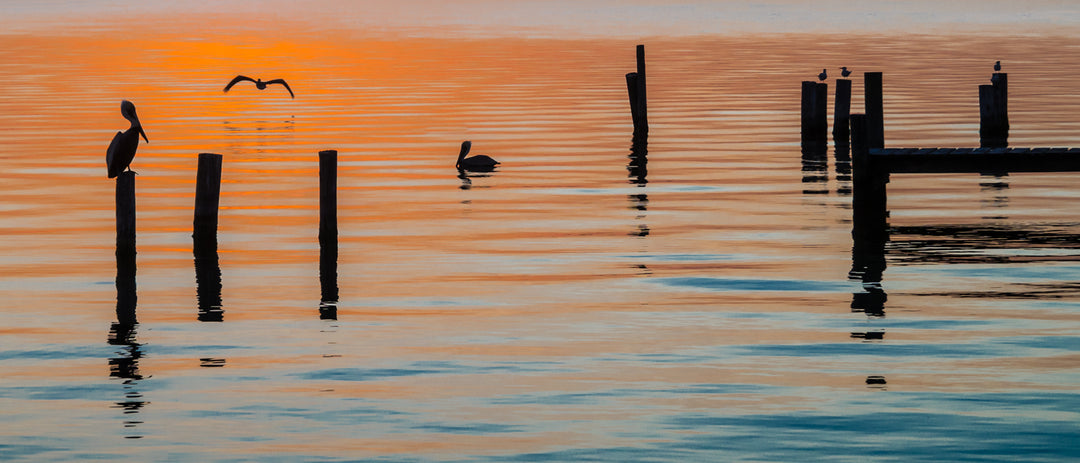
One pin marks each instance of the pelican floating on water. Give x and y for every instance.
(479, 163)
(122, 149)
(823, 76)
(259, 84)
(844, 72)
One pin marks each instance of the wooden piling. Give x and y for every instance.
(207, 194)
(125, 212)
(869, 200)
(815, 125)
(841, 113)
(875, 110)
(636, 90)
(327, 195)
(994, 112)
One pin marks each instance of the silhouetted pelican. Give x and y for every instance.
(844, 72)
(123, 146)
(823, 75)
(259, 84)
(479, 163)
(997, 66)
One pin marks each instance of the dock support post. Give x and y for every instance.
(815, 101)
(875, 110)
(125, 212)
(994, 112)
(869, 201)
(328, 234)
(635, 88)
(207, 195)
(841, 113)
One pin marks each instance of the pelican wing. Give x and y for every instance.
(237, 79)
(282, 82)
(110, 155)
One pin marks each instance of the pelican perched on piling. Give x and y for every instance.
(824, 75)
(259, 84)
(997, 66)
(844, 72)
(122, 149)
(479, 163)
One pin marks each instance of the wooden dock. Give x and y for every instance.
(971, 160)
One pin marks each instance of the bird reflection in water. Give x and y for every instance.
(123, 334)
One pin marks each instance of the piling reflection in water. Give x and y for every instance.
(638, 172)
(207, 278)
(815, 168)
(328, 276)
(122, 333)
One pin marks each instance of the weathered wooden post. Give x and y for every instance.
(328, 234)
(875, 110)
(327, 194)
(815, 125)
(207, 194)
(994, 112)
(869, 201)
(635, 87)
(841, 113)
(125, 212)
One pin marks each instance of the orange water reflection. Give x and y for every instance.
(541, 269)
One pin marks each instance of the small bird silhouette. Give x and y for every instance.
(997, 65)
(478, 163)
(259, 84)
(844, 72)
(122, 149)
(823, 75)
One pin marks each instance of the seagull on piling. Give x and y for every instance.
(478, 163)
(844, 72)
(997, 66)
(122, 149)
(259, 84)
(823, 76)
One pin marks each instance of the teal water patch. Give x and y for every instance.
(421, 368)
(759, 285)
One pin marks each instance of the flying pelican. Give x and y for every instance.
(479, 163)
(997, 66)
(844, 72)
(123, 146)
(259, 84)
(822, 76)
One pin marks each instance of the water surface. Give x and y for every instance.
(584, 302)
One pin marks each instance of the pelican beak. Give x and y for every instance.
(143, 133)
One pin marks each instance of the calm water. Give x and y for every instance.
(577, 304)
